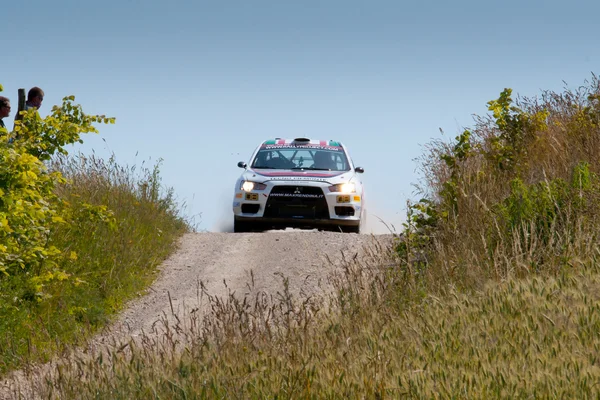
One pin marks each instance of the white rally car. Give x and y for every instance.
(300, 183)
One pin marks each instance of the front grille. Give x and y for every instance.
(297, 202)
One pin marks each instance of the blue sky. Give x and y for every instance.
(200, 84)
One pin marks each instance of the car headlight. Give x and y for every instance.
(343, 188)
(248, 186)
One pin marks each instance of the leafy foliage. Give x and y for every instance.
(508, 149)
(44, 137)
(30, 209)
(510, 193)
(77, 237)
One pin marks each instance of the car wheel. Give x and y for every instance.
(244, 226)
(240, 226)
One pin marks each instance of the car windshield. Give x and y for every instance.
(326, 158)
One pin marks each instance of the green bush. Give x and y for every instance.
(78, 236)
(509, 194)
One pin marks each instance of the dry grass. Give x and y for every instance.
(533, 337)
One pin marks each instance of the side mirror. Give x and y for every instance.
(360, 170)
(242, 164)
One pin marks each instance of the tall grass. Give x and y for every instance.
(516, 194)
(535, 337)
(126, 223)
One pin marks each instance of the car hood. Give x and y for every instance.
(330, 177)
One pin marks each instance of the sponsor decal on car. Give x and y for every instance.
(299, 178)
(298, 195)
(294, 143)
(300, 175)
(300, 146)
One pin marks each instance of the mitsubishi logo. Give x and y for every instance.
(297, 191)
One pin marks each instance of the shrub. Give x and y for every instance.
(510, 193)
(78, 236)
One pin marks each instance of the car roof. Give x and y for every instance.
(303, 142)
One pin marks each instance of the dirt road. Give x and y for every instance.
(225, 261)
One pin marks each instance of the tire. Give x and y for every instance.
(245, 226)
(240, 226)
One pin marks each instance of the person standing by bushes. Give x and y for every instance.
(4, 110)
(35, 96)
